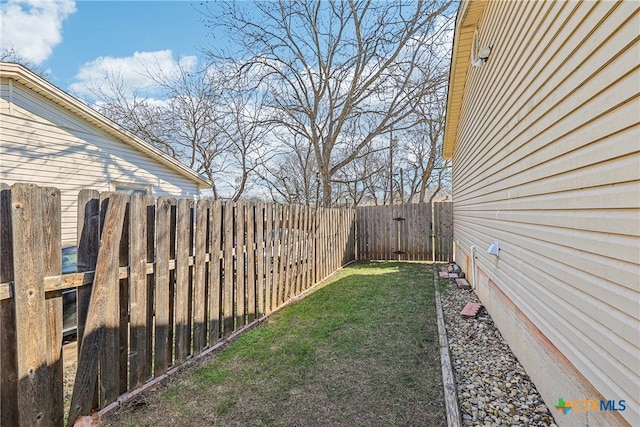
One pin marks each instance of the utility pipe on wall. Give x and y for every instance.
(473, 266)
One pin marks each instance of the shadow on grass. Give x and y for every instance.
(361, 350)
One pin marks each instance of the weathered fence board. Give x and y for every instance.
(250, 219)
(240, 288)
(34, 405)
(261, 257)
(183, 282)
(139, 293)
(199, 280)
(8, 361)
(215, 284)
(163, 320)
(52, 226)
(227, 292)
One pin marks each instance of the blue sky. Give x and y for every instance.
(74, 40)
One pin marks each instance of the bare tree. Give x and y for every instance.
(339, 74)
(207, 118)
(292, 176)
(420, 151)
(11, 54)
(244, 129)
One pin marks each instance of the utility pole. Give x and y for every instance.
(391, 167)
(401, 187)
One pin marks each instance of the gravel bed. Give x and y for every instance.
(493, 388)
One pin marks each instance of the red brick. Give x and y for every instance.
(471, 309)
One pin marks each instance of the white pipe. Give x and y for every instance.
(473, 267)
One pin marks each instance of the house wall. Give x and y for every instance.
(546, 161)
(42, 143)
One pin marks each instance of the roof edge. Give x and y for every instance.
(468, 15)
(27, 77)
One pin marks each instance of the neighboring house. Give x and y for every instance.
(49, 138)
(544, 137)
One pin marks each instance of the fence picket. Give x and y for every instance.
(183, 281)
(163, 321)
(139, 293)
(34, 406)
(250, 220)
(51, 221)
(241, 263)
(199, 280)
(8, 351)
(215, 285)
(271, 265)
(227, 292)
(261, 257)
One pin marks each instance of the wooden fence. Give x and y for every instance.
(158, 282)
(405, 232)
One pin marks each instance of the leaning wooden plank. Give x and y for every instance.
(88, 243)
(163, 321)
(138, 360)
(98, 320)
(112, 380)
(52, 224)
(123, 313)
(30, 309)
(8, 361)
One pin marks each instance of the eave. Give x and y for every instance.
(468, 15)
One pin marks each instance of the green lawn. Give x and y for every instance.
(360, 351)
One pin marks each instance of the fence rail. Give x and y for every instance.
(159, 282)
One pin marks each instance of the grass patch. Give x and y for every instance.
(360, 351)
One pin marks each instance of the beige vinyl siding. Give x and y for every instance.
(41, 142)
(547, 162)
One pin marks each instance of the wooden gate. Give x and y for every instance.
(410, 232)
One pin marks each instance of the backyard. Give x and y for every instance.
(361, 350)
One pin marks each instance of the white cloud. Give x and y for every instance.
(132, 74)
(33, 27)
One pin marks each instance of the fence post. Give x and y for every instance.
(28, 266)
